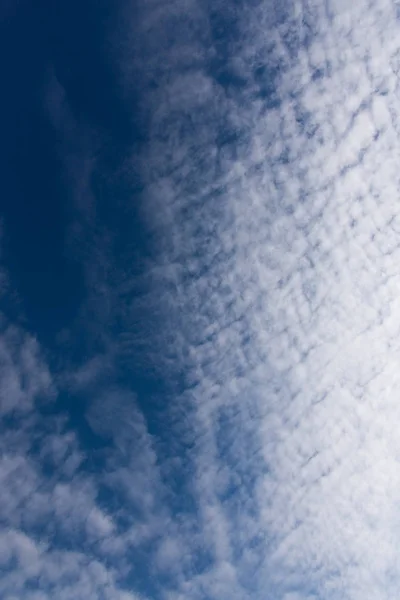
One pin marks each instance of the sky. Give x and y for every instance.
(199, 300)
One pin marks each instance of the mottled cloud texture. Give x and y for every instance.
(271, 185)
(51, 528)
(272, 172)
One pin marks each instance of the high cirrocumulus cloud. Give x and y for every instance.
(273, 186)
(270, 186)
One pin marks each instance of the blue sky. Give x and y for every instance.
(199, 313)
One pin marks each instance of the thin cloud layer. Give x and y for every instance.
(279, 269)
(269, 468)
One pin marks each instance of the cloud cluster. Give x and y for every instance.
(52, 527)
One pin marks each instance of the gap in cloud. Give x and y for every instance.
(35, 211)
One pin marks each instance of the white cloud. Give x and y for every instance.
(50, 522)
(23, 375)
(272, 187)
(280, 292)
(66, 575)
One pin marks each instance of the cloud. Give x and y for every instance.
(277, 282)
(51, 524)
(268, 308)
(23, 375)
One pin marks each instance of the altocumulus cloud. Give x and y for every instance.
(271, 185)
(51, 527)
(273, 188)
(53, 532)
